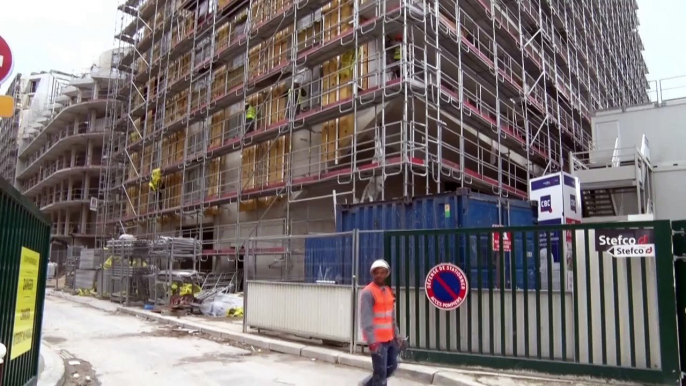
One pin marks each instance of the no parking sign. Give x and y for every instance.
(446, 286)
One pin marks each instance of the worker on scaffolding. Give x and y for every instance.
(250, 115)
(295, 99)
(377, 320)
(394, 55)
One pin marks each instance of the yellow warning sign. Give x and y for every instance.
(25, 312)
(6, 106)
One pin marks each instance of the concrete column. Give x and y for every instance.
(70, 188)
(67, 229)
(59, 221)
(73, 157)
(89, 152)
(84, 218)
(92, 117)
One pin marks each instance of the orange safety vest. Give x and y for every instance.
(383, 313)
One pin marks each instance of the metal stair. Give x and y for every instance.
(599, 202)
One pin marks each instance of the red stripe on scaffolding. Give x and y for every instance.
(231, 196)
(486, 180)
(488, 119)
(233, 251)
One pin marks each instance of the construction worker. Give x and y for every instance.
(295, 100)
(394, 55)
(377, 320)
(250, 115)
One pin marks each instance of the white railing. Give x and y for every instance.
(603, 156)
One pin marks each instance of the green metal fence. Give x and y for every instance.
(554, 300)
(24, 248)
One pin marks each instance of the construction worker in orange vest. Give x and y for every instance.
(377, 320)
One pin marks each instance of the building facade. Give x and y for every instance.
(9, 134)
(245, 118)
(33, 95)
(60, 153)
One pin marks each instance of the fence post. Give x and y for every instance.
(666, 300)
(246, 278)
(355, 271)
(3, 351)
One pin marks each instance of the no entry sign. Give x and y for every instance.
(446, 286)
(6, 60)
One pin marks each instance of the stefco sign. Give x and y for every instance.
(623, 243)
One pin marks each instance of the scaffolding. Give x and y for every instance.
(247, 118)
(9, 133)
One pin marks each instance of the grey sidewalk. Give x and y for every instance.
(233, 331)
(52, 371)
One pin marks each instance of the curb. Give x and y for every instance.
(53, 373)
(414, 372)
(425, 374)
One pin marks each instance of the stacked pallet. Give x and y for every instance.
(90, 267)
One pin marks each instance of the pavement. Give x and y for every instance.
(51, 367)
(303, 356)
(114, 348)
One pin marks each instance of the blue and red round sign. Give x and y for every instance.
(446, 286)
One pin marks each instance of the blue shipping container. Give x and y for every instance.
(461, 209)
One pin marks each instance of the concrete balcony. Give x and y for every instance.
(64, 117)
(58, 171)
(61, 142)
(67, 230)
(62, 199)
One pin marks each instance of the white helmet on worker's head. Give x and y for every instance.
(380, 264)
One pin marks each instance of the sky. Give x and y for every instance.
(64, 35)
(68, 35)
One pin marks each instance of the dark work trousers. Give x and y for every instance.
(384, 361)
(293, 111)
(249, 125)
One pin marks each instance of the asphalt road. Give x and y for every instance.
(116, 350)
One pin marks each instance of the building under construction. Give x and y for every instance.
(250, 118)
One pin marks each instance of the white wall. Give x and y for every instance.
(664, 126)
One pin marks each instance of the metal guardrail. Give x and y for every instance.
(24, 249)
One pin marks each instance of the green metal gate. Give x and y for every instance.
(554, 300)
(24, 248)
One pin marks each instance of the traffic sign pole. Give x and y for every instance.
(6, 64)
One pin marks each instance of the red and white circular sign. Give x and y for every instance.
(6, 60)
(446, 286)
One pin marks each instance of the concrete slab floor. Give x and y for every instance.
(125, 350)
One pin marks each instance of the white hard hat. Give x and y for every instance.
(379, 264)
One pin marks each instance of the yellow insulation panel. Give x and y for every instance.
(213, 173)
(216, 125)
(144, 199)
(264, 165)
(337, 137)
(147, 153)
(265, 10)
(218, 82)
(133, 196)
(271, 53)
(223, 3)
